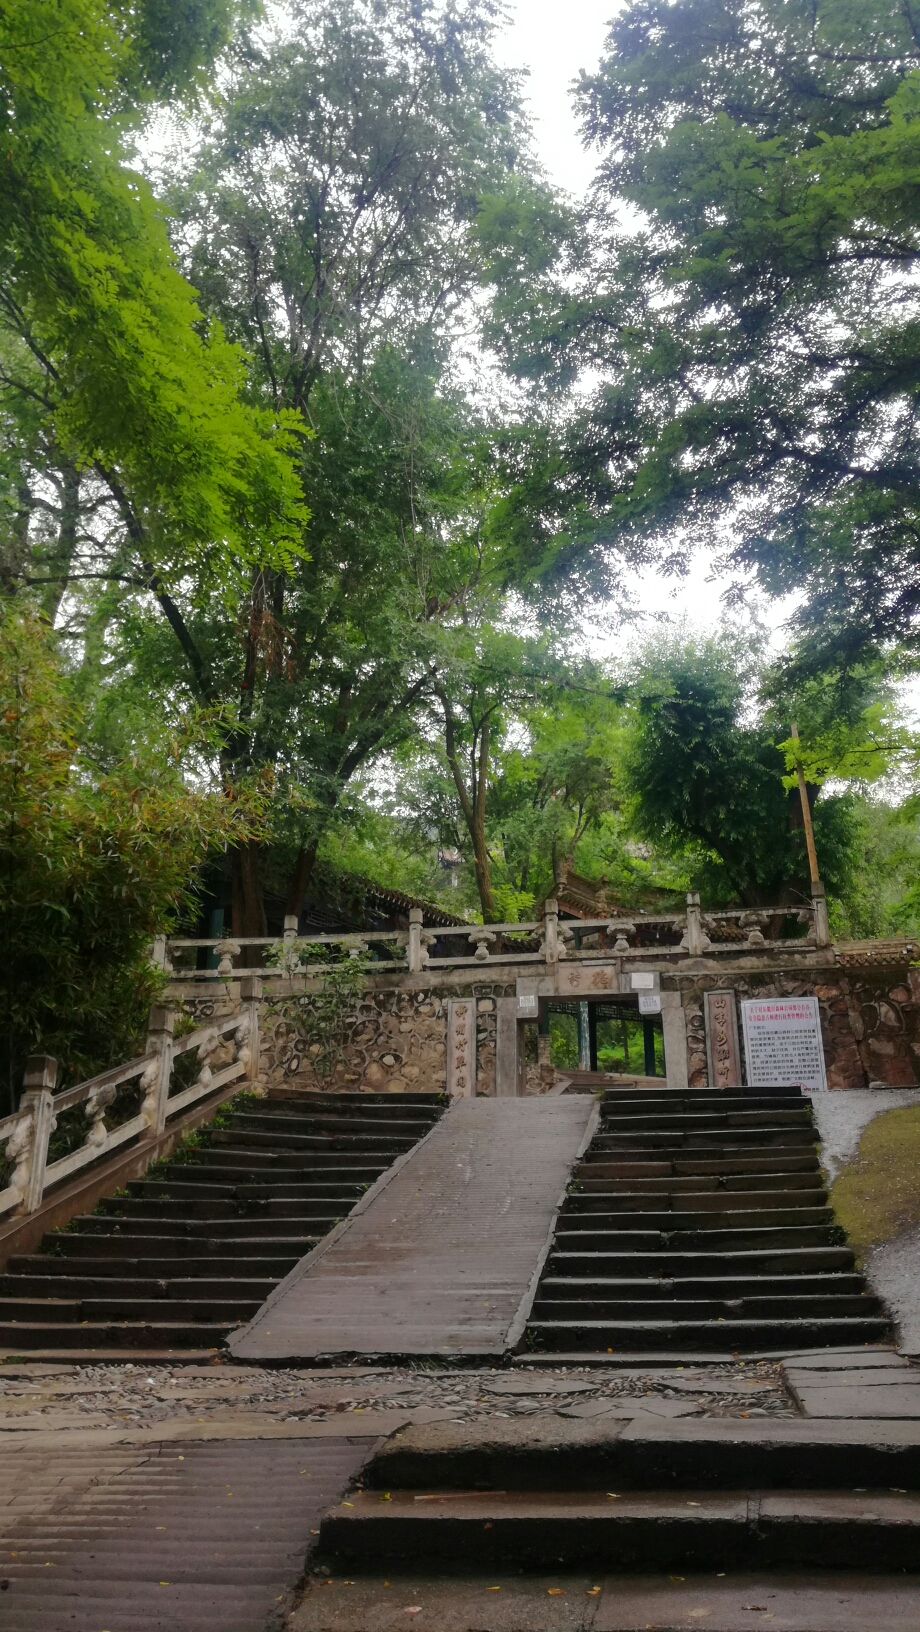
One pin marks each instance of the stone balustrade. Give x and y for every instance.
(693, 933)
(27, 1135)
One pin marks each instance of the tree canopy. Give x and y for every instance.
(332, 437)
(751, 317)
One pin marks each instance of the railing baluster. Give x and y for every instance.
(32, 1159)
(156, 1076)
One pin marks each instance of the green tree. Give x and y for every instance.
(105, 361)
(92, 865)
(753, 319)
(327, 219)
(708, 780)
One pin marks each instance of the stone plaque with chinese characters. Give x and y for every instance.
(461, 1048)
(723, 1052)
(782, 1043)
(585, 979)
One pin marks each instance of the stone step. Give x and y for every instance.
(550, 1453)
(575, 1309)
(693, 1529)
(360, 1103)
(277, 1204)
(776, 1333)
(688, 1121)
(162, 1246)
(632, 1180)
(711, 1286)
(683, 1233)
(347, 1127)
(741, 1217)
(181, 1183)
(668, 1261)
(262, 1165)
(79, 1287)
(361, 1144)
(231, 1309)
(775, 1162)
(376, 1153)
(95, 1224)
(160, 1335)
(261, 1264)
(625, 1093)
(586, 1205)
(717, 1140)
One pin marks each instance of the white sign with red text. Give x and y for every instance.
(782, 1043)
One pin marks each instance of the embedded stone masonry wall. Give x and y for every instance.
(395, 1041)
(870, 1020)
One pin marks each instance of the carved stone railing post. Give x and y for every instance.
(31, 1156)
(621, 929)
(248, 1049)
(97, 1104)
(550, 947)
(819, 902)
(427, 938)
(155, 1080)
(695, 940)
(414, 960)
(227, 951)
(482, 937)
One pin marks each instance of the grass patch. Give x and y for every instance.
(878, 1196)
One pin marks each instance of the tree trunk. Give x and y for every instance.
(248, 904)
(300, 878)
(473, 804)
(60, 558)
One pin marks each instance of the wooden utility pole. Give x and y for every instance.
(806, 815)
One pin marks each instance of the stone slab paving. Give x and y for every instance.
(732, 1602)
(835, 1602)
(441, 1260)
(856, 1389)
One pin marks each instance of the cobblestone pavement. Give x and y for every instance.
(44, 1396)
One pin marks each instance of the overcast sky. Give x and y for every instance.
(555, 42)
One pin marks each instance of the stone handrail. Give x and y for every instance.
(687, 932)
(27, 1133)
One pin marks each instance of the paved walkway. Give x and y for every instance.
(439, 1260)
(187, 1537)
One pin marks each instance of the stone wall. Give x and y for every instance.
(395, 1041)
(870, 1020)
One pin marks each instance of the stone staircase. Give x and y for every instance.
(190, 1251)
(697, 1495)
(698, 1220)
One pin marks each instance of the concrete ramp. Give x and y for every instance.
(439, 1256)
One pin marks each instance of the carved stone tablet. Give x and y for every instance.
(461, 1048)
(722, 1051)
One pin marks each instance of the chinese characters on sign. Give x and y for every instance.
(722, 1040)
(586, 980)
(782, 1043)
(461, 1048)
